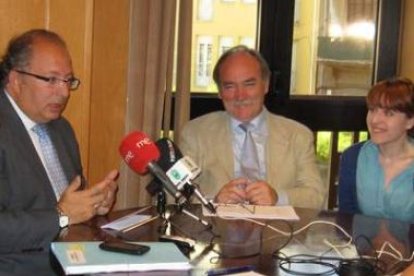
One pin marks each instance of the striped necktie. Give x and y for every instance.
(249, 162)
(52, 163)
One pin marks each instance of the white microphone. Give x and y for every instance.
(182, 172)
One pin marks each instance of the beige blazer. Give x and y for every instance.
(290, 157)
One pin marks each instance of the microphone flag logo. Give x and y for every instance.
(176, 175)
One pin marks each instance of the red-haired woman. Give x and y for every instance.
(377, 176)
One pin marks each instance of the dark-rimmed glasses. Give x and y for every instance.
(72, 83)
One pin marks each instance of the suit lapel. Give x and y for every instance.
(224, 146)
(276, 148)
(24, 144)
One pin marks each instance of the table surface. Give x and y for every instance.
(231, 243)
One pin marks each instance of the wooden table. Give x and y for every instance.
(230, 243)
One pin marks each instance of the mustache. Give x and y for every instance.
(242, 102)
(60, 100)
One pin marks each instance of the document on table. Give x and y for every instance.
(130, 221)
(253, 211)
(87, 257)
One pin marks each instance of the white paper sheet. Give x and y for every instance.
(129, 221)
(253, 211)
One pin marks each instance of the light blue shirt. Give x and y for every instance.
(259, 134)
(374, 199)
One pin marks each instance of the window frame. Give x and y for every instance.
(321, 112)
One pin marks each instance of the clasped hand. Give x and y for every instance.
(241, 190)
(82, 204)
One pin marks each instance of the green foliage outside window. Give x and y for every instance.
(345, 140)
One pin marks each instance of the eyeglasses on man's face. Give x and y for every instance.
(72, 83)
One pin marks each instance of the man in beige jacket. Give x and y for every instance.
(286, 171)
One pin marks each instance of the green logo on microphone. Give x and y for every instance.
(176, 175)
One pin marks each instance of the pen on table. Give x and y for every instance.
(230, 270)
(203, 222)
(139, 224)
(143, 209)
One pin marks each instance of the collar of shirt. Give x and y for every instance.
(259, 127)
(27, 122)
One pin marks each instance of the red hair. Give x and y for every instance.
(393, 94)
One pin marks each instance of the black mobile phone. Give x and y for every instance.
(180, 241)
(124, 247)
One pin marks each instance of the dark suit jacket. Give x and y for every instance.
(28, 216)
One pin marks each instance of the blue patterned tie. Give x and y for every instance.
(249, 162)
(53, 166)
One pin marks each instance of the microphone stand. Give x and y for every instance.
(161, 202)
(191, 215)
(181, 209)
(161, 209)
(193, 189)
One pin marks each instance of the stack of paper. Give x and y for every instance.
(87, 257)
(253, 211)
(130, 221)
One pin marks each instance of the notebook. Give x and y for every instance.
(87, 257)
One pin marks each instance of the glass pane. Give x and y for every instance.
(333, 47)
(217, 26)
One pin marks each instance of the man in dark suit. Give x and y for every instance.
(36, 79)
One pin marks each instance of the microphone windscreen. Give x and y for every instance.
(170, 153)
(154, 187)
(138, 150)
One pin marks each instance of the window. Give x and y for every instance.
(339, 58)
(212, 37)
(297, 12)
(205, 10)
(248, 41)
(204, 65)
(250, 1)
(225, 44)
(293, 72)
(231, 25)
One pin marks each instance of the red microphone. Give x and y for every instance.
(141, 154)
(138, 150)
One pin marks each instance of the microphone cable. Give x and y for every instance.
(334, 265)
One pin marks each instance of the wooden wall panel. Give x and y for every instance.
(407, 54)
(17, 16)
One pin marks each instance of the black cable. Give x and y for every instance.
(356, 267)
(379, 265)
(285, 261)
